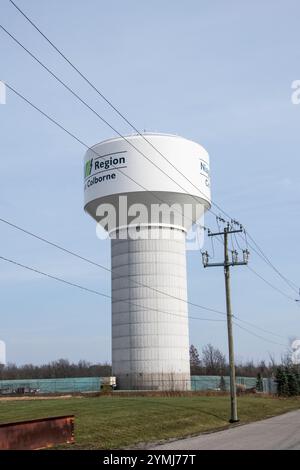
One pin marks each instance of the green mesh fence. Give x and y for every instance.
(212, 382)
(78, 384)
(93, 384)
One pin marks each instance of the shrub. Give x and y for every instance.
(259, 383)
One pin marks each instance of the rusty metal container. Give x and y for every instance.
(37, 434)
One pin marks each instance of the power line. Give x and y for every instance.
(258, 250)
(92, 291)
(87, 146)
(98, 265)
(84, 144)
(59, 247)
(86, 289)
(237, 242)
(234, 316)
(258, 336)
(101, 94)
(262, 255)
(56, 278)
(271, 285)
(259, 328)
(99, 116)
(290, 283)
(106, 122)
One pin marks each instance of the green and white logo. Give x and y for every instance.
(88, 168)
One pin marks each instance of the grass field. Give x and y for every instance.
(116, 422)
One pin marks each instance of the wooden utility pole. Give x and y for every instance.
(226, 264)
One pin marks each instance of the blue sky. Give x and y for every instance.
(217, 72)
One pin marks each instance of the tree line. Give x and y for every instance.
(212, 361)
(288, 380)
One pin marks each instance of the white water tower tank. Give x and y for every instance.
(150, 338)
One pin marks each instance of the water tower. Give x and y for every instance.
(147, 214)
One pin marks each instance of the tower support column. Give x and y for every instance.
(150, 338)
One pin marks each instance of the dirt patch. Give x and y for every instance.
(60, 397)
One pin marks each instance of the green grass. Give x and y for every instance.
(113, 422)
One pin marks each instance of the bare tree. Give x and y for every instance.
(272, 366)
(195, 361)
(213, 360)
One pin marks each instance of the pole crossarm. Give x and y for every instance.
(214, 234)
(238, 263)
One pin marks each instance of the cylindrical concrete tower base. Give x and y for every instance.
(150, 341)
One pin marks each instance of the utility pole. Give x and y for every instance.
(226, 264)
